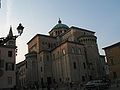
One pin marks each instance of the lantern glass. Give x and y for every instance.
(20, 29)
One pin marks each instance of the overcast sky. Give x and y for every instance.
(40, 16)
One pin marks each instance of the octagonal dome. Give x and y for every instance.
(60, 26)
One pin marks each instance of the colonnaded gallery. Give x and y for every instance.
(68, 55)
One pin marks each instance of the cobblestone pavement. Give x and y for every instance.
(114, 87)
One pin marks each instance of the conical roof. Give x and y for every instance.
(10, 32)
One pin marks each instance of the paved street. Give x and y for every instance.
(114, 88)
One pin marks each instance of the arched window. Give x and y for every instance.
(79, 51)
(74, 65)
(63, 51)
(72, 50)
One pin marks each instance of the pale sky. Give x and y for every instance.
(40, 16)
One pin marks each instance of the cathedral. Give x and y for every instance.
(68, 56)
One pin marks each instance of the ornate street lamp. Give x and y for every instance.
(20, 29)
(4, 40)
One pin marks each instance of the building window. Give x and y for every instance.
(83, 78)
(63, 51)
(1, 63)
(79, 50)
(84, 65)
(9, 80)
(114, 75)
(9, 66)
(90, 77)
(56, 32)
(54, 81)
(41, 69)
(68, 78)
(42, 81)
(49, 80)
(60, 79)
(9, 53)
(74, 65)
(73, 51)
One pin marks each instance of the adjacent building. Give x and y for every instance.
(104, 67)
(113, 59)
(67, 56)
(21, 74)
(7, 62)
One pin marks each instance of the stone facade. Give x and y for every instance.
(21, 74)
(113, 60)
(66, 57)
(7, 63)
(104, 67)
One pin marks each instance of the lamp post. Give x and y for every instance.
(20, 29)
(4, 40)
